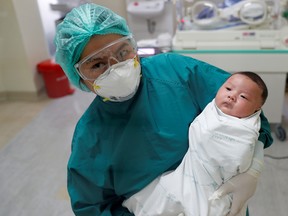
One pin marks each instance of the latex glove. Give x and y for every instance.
(243, 186)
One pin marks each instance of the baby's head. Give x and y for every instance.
(243, 94)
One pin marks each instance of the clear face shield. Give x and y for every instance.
(114, 70)
(95, 64)
(251, 12)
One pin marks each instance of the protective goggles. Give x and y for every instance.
(251, 12)
(95, 64)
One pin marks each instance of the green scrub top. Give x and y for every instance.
(119, 147)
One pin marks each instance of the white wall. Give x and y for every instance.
(23, 46)
(49, 18)
(118, 6)
(2, 88)
(33, 38)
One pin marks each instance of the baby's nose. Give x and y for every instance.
(231, 97)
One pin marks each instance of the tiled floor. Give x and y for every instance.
(14, 115)
(35, 145)
(34, 155)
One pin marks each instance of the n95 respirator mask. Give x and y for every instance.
(119, 82)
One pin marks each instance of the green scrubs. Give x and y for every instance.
(119, 147)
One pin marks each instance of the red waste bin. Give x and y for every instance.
(56, 82)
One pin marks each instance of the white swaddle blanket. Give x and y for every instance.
(220, 147)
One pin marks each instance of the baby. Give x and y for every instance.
(221, 145)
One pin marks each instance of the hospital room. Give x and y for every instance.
(143, 107)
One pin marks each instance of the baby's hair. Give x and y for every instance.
(258, 80)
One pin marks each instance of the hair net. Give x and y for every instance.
(74, 32)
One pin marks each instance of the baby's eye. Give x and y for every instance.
(228, 89)
(242, 96)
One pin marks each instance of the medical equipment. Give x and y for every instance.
(236, 14)
(251, 12)
(262, 49)
(152, 23)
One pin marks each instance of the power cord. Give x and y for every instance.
(275, 157)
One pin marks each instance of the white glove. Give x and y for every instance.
(243, 186)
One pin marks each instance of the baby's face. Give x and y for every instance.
(239, 96)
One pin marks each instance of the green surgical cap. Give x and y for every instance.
(74, 32)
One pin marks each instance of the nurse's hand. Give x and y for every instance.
(242, 187)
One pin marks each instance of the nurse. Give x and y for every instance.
(136, 128)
